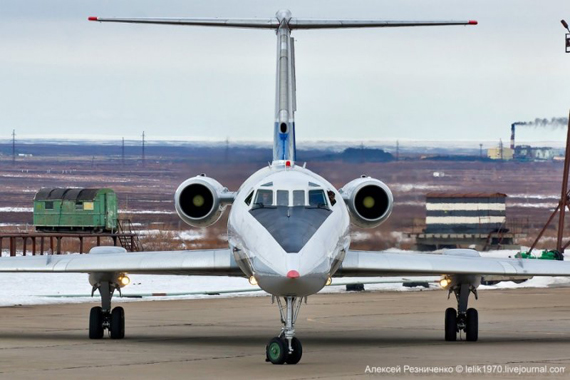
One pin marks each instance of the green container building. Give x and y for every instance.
(57, 209)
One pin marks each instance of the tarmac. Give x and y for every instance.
(346, 335)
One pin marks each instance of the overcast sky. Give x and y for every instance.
(62, 75)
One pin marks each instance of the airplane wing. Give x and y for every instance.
(217, 262)
(273, 23)
(452, 262)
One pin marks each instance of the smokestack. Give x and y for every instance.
(513, 136)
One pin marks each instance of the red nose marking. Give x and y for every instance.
(92, 18)
(293, 274)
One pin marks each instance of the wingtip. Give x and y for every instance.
(93, 18)
(473, 22)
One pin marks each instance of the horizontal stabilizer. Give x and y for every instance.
(273, 23)
(296, 23)
(258, 23)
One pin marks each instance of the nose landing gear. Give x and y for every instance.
(286, 348)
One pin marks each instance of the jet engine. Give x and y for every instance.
(200, 201)
(369, 201)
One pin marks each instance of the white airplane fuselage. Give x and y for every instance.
(295, 242)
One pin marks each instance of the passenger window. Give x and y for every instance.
(282, 198)
(79, 206)
(317, 198)
(249, 198)
(298, 197)
(264, 198)
(49, 205)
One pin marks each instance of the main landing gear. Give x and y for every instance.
(102, 317)
(285, 348)
(463, 319)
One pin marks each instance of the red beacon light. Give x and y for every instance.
(288, 164)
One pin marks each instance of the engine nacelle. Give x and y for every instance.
(200, 201)
(369, 201)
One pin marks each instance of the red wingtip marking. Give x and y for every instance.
(293, 274)
(93, 19)
(473, 22)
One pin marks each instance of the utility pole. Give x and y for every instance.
(397, 150)
(13, 147)
(227, 152)
(501, 148)
(143, 157)
(123, 153)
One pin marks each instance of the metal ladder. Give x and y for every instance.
(130, 243)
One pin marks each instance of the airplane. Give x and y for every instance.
(288, 228)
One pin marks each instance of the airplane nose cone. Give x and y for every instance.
(293, 274)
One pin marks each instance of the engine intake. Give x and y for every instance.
(200, 201)
(369, 201)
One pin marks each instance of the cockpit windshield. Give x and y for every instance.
(298, 198)
(263, 198)
(282, 198)
(317, 198)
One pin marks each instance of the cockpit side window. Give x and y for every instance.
(298, 197)
(317, 198)
(332, 197)
(282, 198)
(249, 198)
(264, 198)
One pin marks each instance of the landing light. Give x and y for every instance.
(329, 281)
(252, 281)
(124, 280)
(444, 282)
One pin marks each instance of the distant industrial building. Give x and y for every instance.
(528, 153)
(471, 220)
(500, 153)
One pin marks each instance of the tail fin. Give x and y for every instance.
(285, 100)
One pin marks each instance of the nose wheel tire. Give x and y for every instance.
(117, 323)
(277, 351)
(450, 325)
(96, 323)
(295, 356)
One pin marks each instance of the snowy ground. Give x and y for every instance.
(43, 288)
